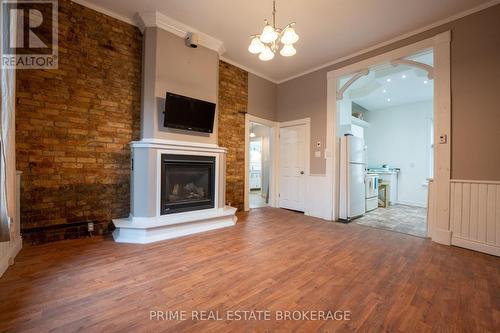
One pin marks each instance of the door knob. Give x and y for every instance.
(302, 172)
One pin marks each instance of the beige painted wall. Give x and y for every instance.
(261, 97)
(171, 66)
(475, 82)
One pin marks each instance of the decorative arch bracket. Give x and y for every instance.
(428, 68)
(340, 93)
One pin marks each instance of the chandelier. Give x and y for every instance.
(273, 39)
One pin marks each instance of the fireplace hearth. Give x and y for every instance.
(187, 183)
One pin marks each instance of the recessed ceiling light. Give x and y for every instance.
(384, 91)
(389, 80)
(425, 82)
(403, 76)
(388, 100)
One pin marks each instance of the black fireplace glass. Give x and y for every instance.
(187, 183)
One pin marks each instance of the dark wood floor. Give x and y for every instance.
(271, 260)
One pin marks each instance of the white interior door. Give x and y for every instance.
(292, 167)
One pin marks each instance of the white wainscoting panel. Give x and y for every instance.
(475, 215)
(318, 199)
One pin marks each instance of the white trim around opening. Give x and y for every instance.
(439, 212)
(273, 174)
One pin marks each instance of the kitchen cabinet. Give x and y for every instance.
(391, 178)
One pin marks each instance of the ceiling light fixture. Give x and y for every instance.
(272, 39)
(384, 91)
(252, 133)
(389, 80)
(425, 82)
(403, 76)
(388, 100)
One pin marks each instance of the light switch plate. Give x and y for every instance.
(443, 138)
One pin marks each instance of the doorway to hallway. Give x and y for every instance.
(259, 165)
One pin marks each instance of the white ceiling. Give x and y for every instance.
(328, 29)
(388, 86)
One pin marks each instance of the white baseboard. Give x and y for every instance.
(441, 236)
(476, 246)
(411, 203)
(7, 258)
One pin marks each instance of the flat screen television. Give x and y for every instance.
(189, 113)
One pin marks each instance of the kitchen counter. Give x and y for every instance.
(383, 171)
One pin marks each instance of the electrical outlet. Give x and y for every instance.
(443, 138)
(90, 226)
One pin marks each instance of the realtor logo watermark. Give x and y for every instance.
(29, 34)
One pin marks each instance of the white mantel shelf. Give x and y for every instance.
(180, 145)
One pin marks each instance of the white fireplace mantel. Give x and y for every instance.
(180, 145)
(146, 224)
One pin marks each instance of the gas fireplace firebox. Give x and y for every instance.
(187, 183)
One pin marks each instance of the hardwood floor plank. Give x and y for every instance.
(273, 260)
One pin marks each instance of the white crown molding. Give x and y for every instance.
(396, 39)
(249, 70)
(180, 29)
(104, 11)
(157, 19)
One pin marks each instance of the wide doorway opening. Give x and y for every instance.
(385, 129)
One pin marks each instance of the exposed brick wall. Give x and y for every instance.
(233, 103)
(73, 124)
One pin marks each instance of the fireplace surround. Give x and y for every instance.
(177, 189)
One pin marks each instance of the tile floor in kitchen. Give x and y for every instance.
(399, 218)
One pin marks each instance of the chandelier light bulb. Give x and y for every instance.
(268, 35)
(256, 46)
(288, 51)
(289, 36)
(267, 54)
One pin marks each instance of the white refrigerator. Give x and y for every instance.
(352, 178)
